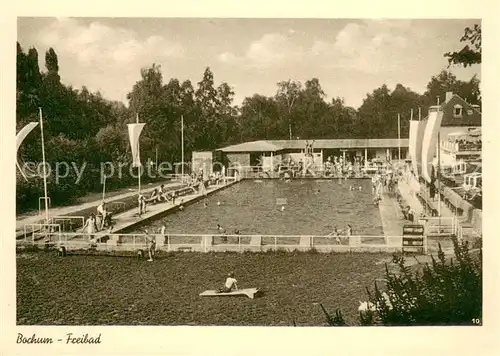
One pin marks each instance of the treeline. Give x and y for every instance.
(81, 126)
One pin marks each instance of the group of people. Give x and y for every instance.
(157, 195)
(338, 167)
(98, 222)
(379, 184)
(222, 231)
(161, 194)
(339, 234)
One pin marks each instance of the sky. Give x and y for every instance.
(350, 57)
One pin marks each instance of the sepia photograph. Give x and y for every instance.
(248, 172)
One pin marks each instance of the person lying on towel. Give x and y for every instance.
(230, 285)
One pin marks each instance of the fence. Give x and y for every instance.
(40, 199)
(35, 232)
(221, 243)
(441, 226)
(68, 223)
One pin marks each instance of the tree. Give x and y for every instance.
(52, 65)
(286, 96)
(258, 119)
(226, 123)
(374, 115)
(448, 82)
(206, 99)
(311, 113)
(471, 53)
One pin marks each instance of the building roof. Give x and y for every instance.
(471, 116)
(252, 146)
(280, 145)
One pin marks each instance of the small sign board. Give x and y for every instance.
(417, 230)
(280, 201)
(413, 238)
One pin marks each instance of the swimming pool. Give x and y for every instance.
(311, 207)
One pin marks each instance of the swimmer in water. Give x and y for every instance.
(218, 203)
(282, 208)
(360, 188)
(205, 204)
(181, 207)
(351, 188)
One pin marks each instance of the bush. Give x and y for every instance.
(443, 292)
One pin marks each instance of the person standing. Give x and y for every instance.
(222, 231)
(151, 244)
(91, 227)
(142, 204)
(102, 212)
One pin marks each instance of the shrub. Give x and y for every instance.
(443, 292)
(336, 320)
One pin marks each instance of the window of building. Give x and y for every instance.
(457, 112)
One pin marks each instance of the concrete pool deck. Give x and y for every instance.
(130, 219)
(392, 219)
(75, 209)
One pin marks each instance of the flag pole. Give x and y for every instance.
(104, 188)
(439, 174)
(182, 147)
(139, 155)
(399, 138)
(156, 158)
(44, 169)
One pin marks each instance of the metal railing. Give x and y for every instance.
(34, 232)
(217, 242)
(441, 226)
(49, 204)
(68, 223)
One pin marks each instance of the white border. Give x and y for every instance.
(258, 340)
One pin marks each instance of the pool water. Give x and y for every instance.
(311, 207)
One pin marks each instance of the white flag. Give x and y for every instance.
(134, 131)
(21, 135)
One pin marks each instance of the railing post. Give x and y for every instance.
(239, 243)
(275, 243)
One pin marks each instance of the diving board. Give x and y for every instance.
(249, 292)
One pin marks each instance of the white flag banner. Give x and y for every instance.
(21, 135)
(134, 131)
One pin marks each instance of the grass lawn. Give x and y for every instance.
(99, 290)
